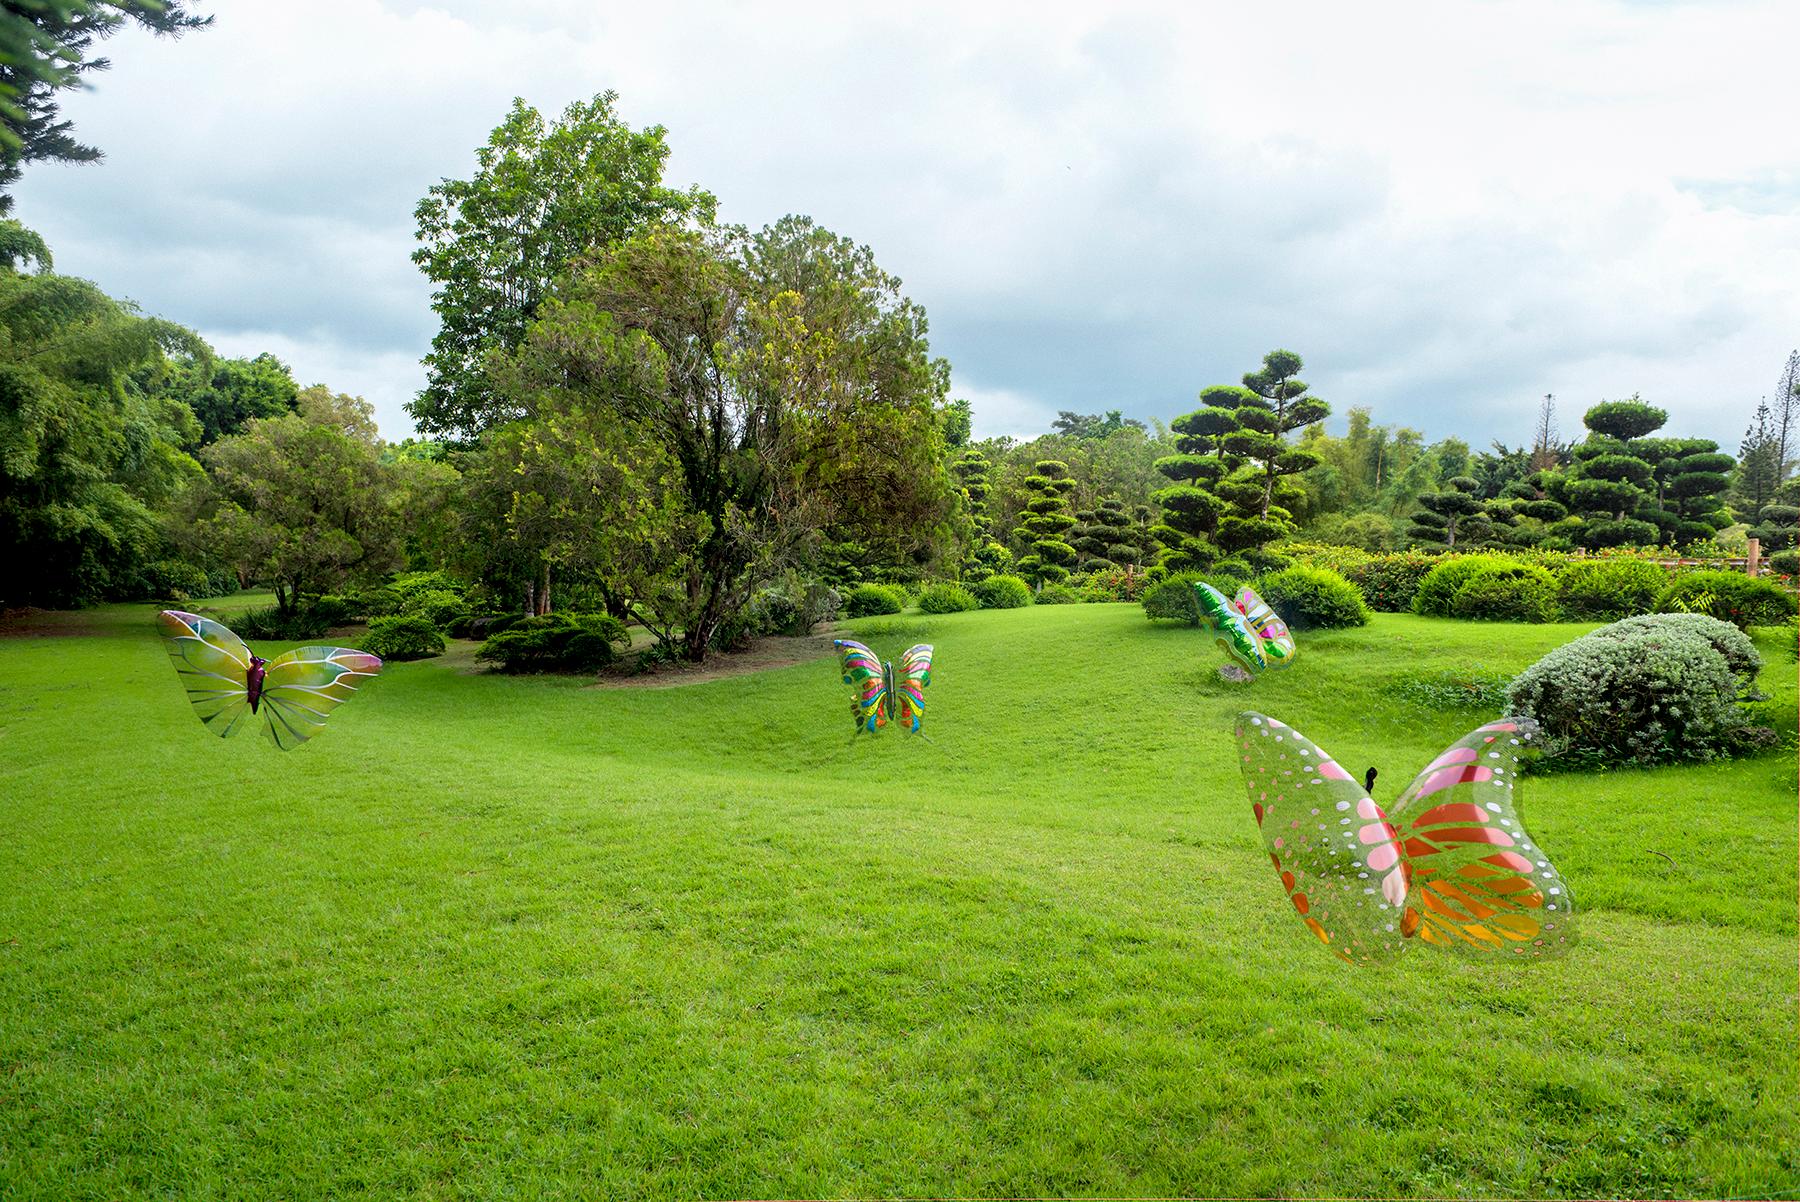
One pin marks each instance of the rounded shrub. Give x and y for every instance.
(1438, 587)
(1313, 598)
(403, 636)
(1001, 592)
(1058, 594)
(1649, 689)
(1733, 597)
(947, 598)
(1173, 598)
(1785, 563)
(441, 607)
(1513, 592)
(1609, 588)
(1390, 582)
(556, 642)
(176, 580)
(867, 600)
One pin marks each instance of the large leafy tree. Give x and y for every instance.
(87, 460)
(300, 502)
(543, 195)
(45, 48)
(226, 393)
(768, 418)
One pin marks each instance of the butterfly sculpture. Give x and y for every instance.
(1447, 866)
(1246, 628)
(879, 688)
(294, 692)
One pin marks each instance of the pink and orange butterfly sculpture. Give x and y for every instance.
(1448, 865)
(294, 692)
(879, 689)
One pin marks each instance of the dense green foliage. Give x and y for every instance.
(1058, 594)
(944, 598)
(1610, 588)
(866, 600)
(1044, 555)
(1001, 592)
(555, 642)
(403, 637)
(1517, 592)
(1309, 598)
(1436, 595)
(1730, 596)
(1647, 690)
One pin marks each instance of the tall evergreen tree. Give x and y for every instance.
(1190, 507)
(1453, 517)
(1261, 494)
(1104, 536)
(1045, 557)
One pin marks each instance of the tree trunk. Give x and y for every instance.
(531, 598)
(544, 591)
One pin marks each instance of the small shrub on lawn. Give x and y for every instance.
(868, 600)
(1173, 598)
(270, 624)
(1438, 587)
(1390, 582)
(1111, 584)
(402, 637)
(1650, 689)
(1733, 597)
(333, 610)
(1058, 594)
(175, 580)
(947, 599)
(441, 607)
(1001, 592)
(1513, 592)
(557, 642)
(1313, 598)
(1610, 588)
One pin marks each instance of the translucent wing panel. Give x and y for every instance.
(1273, 637)
(212, 663)
(915, 676)
(863, 673)
(301, 687)
(1332, 846)
(1231, 629)
(1480, 884)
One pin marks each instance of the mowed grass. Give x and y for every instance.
(526, 938)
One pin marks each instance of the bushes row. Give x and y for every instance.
(1306, 598)
(555, 642)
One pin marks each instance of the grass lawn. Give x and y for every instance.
(525, 938)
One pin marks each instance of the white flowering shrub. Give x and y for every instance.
(1648, 690)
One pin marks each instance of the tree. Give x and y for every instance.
(1759, 466)
(1608, 483)
(300, 501)
(87, 460)
(1453, 515)
(985, 557)
(1105, 536)
(44, 47)
(1045, 558)
(1190, 508)
(1785, 414)
(542, 197)
(1088, 426)
(1260, 497)
(1545, 451)
(226, 393)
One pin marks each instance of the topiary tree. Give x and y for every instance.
(1275, 405)
(1453, 515)
(1190, 507)
(1104, 536)
(1776, 521)
(1045, 557)
(1608, 482)
(984, 556)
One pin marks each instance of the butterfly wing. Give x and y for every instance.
(1479, 883)
(301, 687)
(915, 675)
(863, 672)
(1231, 630)
(1273, 637)
(213, 664)
(1329, 841)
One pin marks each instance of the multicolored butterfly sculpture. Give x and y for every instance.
(1448, 866)
(879, 689)
(1246, 628)
(294, 692)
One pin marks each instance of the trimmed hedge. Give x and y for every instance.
(1001, 592)
(1058, 594)
(1437, 589)
(1742, 600)
(947, 599)
(1610, 588)
(1506, 592)
(403, 637)
(1313, 598)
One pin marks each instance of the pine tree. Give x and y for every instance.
(1104, 536)
(1259, 495)
(1190, 507)
(1453, 517)
(985, 557)
(1045, 558)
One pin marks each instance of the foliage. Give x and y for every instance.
(1043, 555)
(543, 195)
(866, 600)
(1785, 563)
(1438, 588)
(1104, 536)
(403, 637)
(1646, 690)
(555, 642)
(44, 50)
(1262, 496)
(1172, 598)
(87, 461)
(1365, 531)
(441, 607)
(947, 598)
(1476, 690)
(1389, 583)
(1313, 598)
(1609, 588)
(1511, 592)
(1058, 594)
(1191, 509)
(1001, 592)
(299, 501)
(1742, 600)
(1456, 512)
(224, 394)
(271, 624)
(1111, 584)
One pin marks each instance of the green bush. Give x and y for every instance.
(1609, 588)
(1513, 592)
(1058, 594)
(1785, 563)
(1645, 690)
(374, 603)
(1438, 587)
(1111, 584)
(442, 607)
(867, 600)
(947, 599)
(1313, 598)
(408, 583)
(1001, 592)
(175, 580)
(1172, 598)
(269, 624)
(402, 637)
(1742, 600)
(1390, 582)
(332, 610)
(556, 642)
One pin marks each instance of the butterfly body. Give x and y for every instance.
(1448, 865)
(1246, 628)
(293, 693)
(881, 691)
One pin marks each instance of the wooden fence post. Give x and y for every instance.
(1753, 560)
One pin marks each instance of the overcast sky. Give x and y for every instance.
(1449, 207)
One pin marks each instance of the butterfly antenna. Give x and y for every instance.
(1369, 781)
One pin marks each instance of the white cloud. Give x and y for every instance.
(1450, 208)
